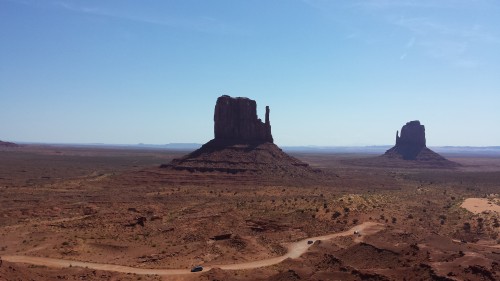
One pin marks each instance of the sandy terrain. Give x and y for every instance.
(295, 250)
(116, 207)
(479, 205)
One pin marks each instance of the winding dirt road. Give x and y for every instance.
(295, 250)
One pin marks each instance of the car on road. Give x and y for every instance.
(197, 268)
(310, 242)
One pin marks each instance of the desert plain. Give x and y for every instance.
(94, 213)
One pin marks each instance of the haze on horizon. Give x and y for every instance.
(334, 73)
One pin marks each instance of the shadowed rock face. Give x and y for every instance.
(412, 140)
(235, 121)
(242, 144)
(412, 134)
(411, 145)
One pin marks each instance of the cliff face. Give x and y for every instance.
(235, 120)
(412, 134)
(411, 142)
(242, 144)
(411, 145)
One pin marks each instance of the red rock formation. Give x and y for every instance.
(242, 144)
(411, 145)
(235, 120)
(411, 142)
(412, 134)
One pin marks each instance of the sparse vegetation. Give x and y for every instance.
(182, 216)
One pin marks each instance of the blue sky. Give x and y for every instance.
(333, 72)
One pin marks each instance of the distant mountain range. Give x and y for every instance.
(374, 149)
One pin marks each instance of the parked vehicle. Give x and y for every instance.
(197, 268)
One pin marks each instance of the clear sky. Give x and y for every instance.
(334, 73)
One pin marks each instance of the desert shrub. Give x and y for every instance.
(336, 214)
(467, 227)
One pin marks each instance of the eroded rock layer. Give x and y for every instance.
(235, 120)
(411, 145)
(242, 144)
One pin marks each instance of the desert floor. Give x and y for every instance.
(65, 209)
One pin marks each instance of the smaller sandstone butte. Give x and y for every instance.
(411, 145)
(412, 134)
(242, 144)
(8, 144)
(235, 120)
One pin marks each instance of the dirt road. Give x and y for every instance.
(295, 250)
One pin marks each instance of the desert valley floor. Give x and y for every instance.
(85, 213)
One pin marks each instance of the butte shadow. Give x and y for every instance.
(410, 151)
(242, 144)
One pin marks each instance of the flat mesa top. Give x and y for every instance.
(235, 98)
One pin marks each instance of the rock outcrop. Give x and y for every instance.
(242, 144)
(411, 142)
(411, 145)
(7, 144)
(235, 120)
(412, 134)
